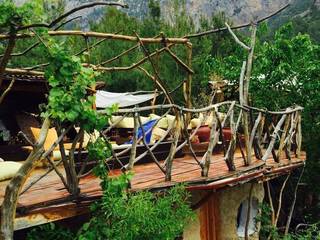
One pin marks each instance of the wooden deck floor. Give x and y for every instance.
(146, 176)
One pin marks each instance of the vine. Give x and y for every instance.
(70, 97)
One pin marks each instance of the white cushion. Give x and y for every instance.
(126, 122)
(209, 119)
(86, 137)
(157, 134)
(162, 123)
(171, 120)
(195, 122)
(8, 169)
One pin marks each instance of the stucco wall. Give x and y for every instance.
(221, 210)
(192, 231)
(229, 202)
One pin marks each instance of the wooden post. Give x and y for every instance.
(254, 130)
(293, 203)
(134, 143)
(245, 121)
(64, 157)
(288, 140)
(246, 84)
(74, 184)
(173, 148)
(260, 131)
(214, 137)
(188, 83)
(283, 136)
(271, 203)
(153, 102)
(243, 70)
(273, 138)
(298, 136)
(7, 55)
(229, 158)
(280, 199)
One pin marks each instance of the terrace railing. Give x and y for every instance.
(270, 133)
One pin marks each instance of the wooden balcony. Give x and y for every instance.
(273, 140)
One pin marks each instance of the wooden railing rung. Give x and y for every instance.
(273, 137)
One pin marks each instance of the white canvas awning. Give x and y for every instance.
(107, 99)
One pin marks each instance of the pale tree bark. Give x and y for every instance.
(246, 85)
(8, 208)
(7, 55)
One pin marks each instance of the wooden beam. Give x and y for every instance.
(101, 35)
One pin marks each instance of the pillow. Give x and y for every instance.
(157, 134)
(126, 122)
(171, 120)
(163, 122)
(8, 169)
(56, 155)
(195, 122)
(209, 119)
(51, 137)
(86, 138)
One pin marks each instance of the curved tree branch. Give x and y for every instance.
(236, 27)
(8, 208)
(63, 16)
(4, 94)
(6, 56)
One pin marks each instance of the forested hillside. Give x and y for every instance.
(304, 14)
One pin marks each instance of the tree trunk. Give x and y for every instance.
(8, 208)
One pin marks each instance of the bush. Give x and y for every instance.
(50, 231)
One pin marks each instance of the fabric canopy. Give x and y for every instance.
(107, 99)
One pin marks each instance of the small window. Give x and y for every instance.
(242, 217)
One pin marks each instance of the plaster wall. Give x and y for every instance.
(216, 219)
(229, 203)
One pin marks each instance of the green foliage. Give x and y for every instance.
(143, 215)
(155, 11)
(68, 97)
(12, 16)
(286, 71)
(304, 16)
(121, 214)
(290, 67)
(99, 151)
(177, 24)
(312, 232)
(264, 218)
(50, 231)
(267, 231)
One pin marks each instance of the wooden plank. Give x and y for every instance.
(147, 176)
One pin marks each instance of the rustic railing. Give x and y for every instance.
(271, 133)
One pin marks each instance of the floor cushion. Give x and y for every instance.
(8, 169)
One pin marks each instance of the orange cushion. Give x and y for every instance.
(51, 137)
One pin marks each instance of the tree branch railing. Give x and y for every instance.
(285, 136)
